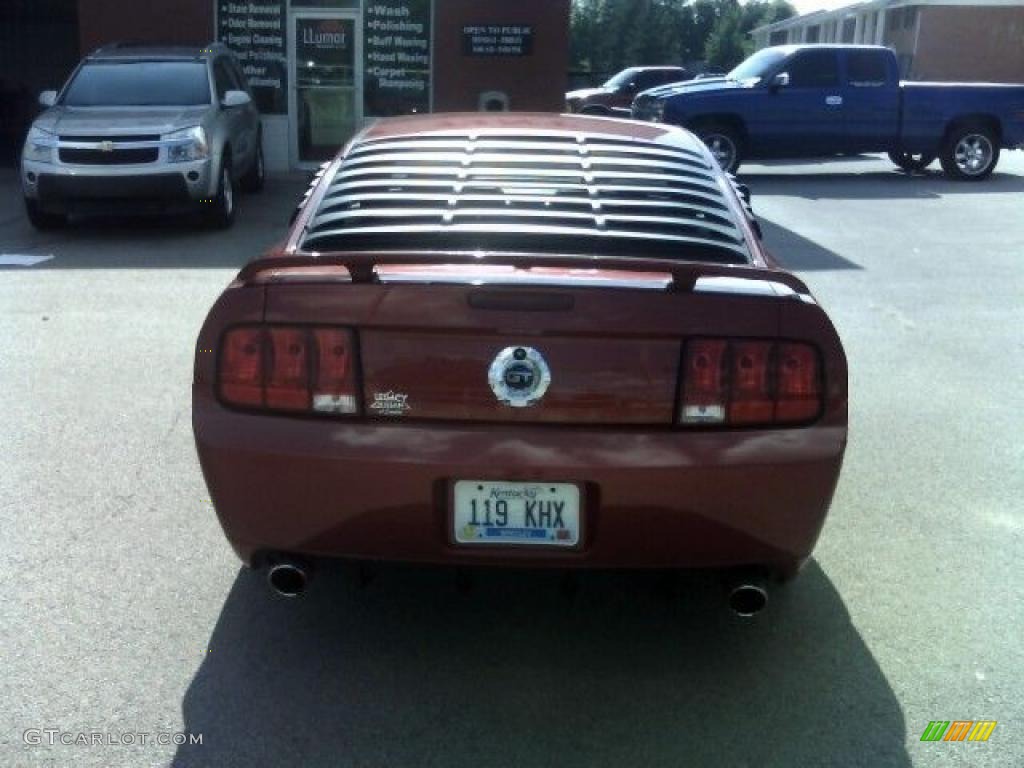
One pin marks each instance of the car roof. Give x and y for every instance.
(131, 51)
(788, 49)
(655, 68)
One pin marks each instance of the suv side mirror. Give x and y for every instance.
(235, 99)
(47, 98)
(781, 80)
(630, 86)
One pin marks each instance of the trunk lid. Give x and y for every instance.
(612, 340)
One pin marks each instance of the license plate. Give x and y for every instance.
(539, 514)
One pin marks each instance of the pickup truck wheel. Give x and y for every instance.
(724, 145)
(970, 153)
(42, 220)
(910, 162)
(255, 176)
(223, 210)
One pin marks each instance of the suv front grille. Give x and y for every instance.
(114, 157)
(127, 156)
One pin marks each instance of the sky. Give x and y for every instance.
(806, 6)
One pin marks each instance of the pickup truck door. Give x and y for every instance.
(871, 104)
(805, 117)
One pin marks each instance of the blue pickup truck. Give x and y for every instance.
(821, 100)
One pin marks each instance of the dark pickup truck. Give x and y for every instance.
(821, 100)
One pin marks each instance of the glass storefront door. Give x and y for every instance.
(327, 100)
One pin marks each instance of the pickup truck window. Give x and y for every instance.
(866, 69)
(813, 69)
(757, 66)
(139, 84)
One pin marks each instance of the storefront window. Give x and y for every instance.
(286, 49)
(349, 4)
(396, 50)
(256, 33)
(325, 80)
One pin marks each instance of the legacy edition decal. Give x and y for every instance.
(390, 403)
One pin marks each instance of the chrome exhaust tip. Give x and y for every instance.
(288, 579)
(748, 598)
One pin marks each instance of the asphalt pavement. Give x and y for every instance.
(123, 611)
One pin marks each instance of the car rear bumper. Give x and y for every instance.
(65, 188)
(656, 499)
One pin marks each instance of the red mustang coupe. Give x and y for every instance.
(522, 340)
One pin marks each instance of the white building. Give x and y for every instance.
(934, 39)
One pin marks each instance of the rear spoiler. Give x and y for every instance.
(714, 278)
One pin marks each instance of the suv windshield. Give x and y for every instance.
(139, 84)
(757, 66)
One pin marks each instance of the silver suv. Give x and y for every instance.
(144, 129)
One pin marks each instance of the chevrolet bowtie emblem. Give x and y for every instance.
(106, 146)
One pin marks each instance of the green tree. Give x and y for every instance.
(729, 41)
(726, 45)
(609, 35)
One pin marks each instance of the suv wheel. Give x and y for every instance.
(42, 220)
(223, 212)
(255, 176)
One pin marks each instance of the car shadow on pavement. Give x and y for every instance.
(798, 253)
(178, 241)
(633, 670)
(876, 185)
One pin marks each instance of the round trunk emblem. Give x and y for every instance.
(519, 376)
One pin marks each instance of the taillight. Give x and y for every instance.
(287, 382)
(705, 382)
(751, 399)
(240, 373)
(288, 368)
(334, 389)
(798, 397)
(740, 382)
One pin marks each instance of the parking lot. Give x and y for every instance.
(124, 610)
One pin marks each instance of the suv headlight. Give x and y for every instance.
(39, 146)
(188, 144)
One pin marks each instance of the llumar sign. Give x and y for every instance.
(958, 730)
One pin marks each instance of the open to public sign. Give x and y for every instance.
(497, 39)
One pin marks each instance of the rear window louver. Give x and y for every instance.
(568, 193)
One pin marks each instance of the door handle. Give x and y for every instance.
(834, 101)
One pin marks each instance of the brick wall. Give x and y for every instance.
(159, 21)
(970, 44)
